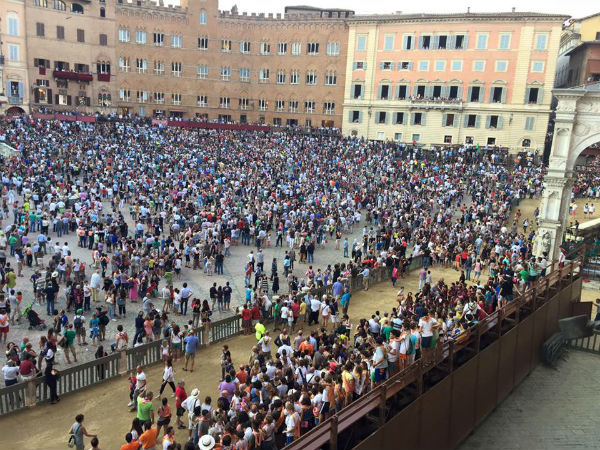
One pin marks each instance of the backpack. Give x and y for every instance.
(104, 320)
(77, 322)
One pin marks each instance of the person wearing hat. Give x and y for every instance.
(206, 442)
(189, 405)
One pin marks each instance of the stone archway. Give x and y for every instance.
(577, 126)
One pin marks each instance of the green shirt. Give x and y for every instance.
(387, 331)
(143, 409)
(524, 275)
(69, 336)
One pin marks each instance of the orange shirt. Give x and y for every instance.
(148, 438)
(133, 445)
(306, 346)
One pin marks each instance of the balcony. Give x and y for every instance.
(104, 77)
(15, 100)
(436, 103)
(68, 75)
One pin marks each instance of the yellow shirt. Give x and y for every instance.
(302, 308)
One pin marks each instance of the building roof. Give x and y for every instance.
(581, 46)
(314, 8)
(591, 16)
(499, 16)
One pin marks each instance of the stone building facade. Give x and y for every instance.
(14, 95)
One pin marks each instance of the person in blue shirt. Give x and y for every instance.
(345, 300)
(191, 347)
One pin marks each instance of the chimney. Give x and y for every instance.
(468, 10)
(513, 9)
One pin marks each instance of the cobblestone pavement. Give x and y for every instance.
(198, 281)
(550, 410)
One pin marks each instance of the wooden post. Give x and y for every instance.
(382, 405)
(30, 393)
(122, 362)
(333, 441)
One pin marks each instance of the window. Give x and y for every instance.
(282, 48)
(61, 65)
(42, 3)
(497, 95)
(416, 137)
(265, 48)
(158, 97)
(176, 98)
(384, 92)
(245, 47)
(456, 65)
(491, 141)
(361, 43)
(537, 66)
(244, 103)
(493, 121)
(294, 77)
(448, 120)
(447, 139)
(504, 41)
(60, 32)
(381, 117)
(103, 39)
(359, 65)
(532, 95)
(141, 96)
(225, 45)
(475, 93)
(176, 69)
(141, 65)
(124, 35)
(541, 41)
(202, 43)
(225, 73)
(468, 139)
(442, 42)
(312, 48)
(408, 42)
(293, 106)
(478, 65)
(76, 8)
(355, 116)
(330, 79)
(124, 65)
(82, 68)
(59, 5)
(296, 48)
(333, 48)
(420, 90)
(102, 12)
(460, 41)
(598, 35)
(311, 77)
(357, 91)
(482, 39)
(424, 42)
(245, 74)
(404, 65)
(280, 77)
(176, 41)
(124, 95)
(526, 143)
(103, 67)
(158, 39)
(387, 65)
(501, 66)
(140, 37)
(440, 66)
(202, 71)
(399, 118)
(529, 123)
(263, 76)
(39, 29)
(80, 35)
(202, 100)
(279, 105)
(203, 17)
(13, 52)
(388, 42)
(309, 107)
(224, 102)
(263, 104)
(472, 121)
(423, 66)
(418, 118)
(403, 92)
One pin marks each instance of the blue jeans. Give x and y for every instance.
(183, 306)
(49, 305)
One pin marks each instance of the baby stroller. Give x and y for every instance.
(34, 319)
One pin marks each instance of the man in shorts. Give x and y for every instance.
(180, 396)
(191, 347)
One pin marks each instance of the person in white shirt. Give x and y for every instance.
(426, 326)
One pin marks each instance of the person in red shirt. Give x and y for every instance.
(246, 320)
(255, 314)
(242, 375)
(27, 368)
(180, 396)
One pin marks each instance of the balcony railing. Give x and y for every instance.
(68, 75)
(104, 77)
(15, 100)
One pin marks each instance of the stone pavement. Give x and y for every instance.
(550, 410)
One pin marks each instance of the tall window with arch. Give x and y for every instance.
(59, 5)
(203, 17)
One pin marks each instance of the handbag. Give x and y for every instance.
(71, 441)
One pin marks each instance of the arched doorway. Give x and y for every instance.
(577, 127)
(15, 111)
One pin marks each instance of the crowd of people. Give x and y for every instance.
(155, 205)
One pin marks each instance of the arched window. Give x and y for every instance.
(42, 3)
(203, 17)
(76, 8)
(60, 5)
(526, 143)
(102, 12)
